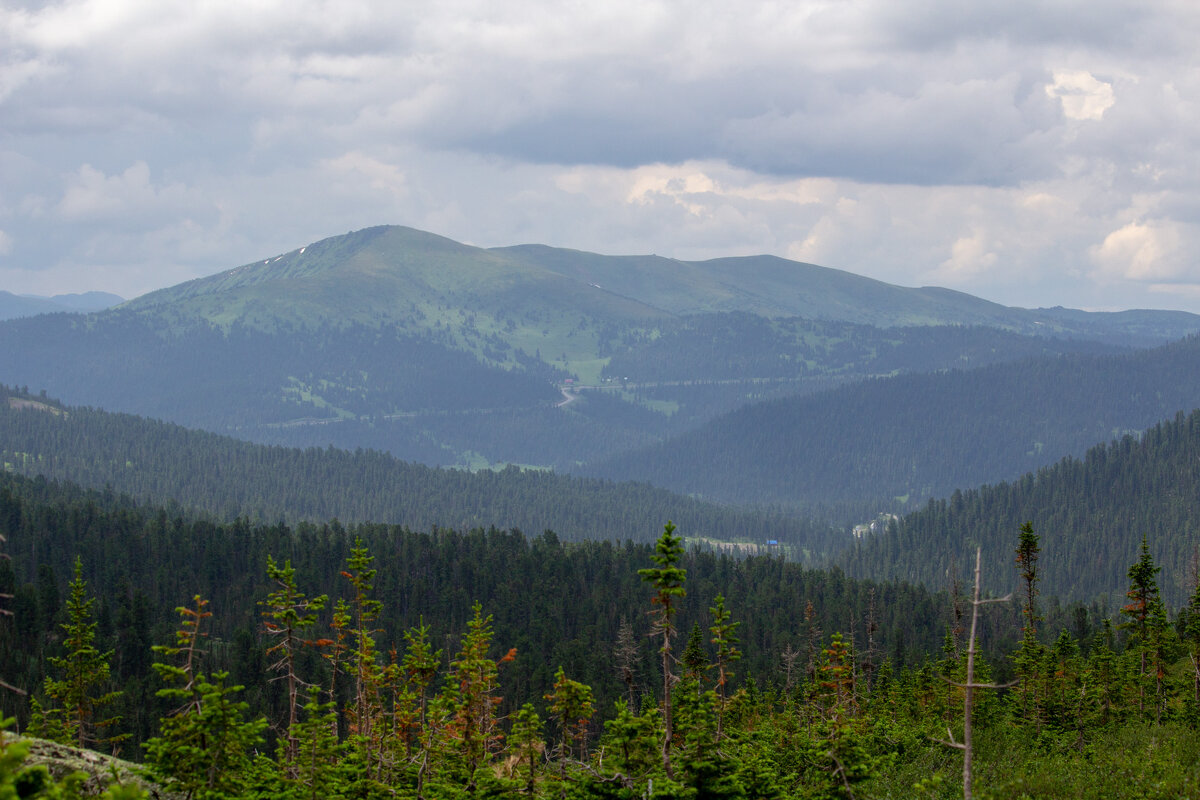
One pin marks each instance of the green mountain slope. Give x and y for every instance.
(414, 280)
(401, 275)
(917, 436)
(769, 286)
(1090, 514)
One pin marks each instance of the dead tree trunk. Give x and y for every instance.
(970, 686)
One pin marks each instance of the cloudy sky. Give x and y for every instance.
(1032, 152)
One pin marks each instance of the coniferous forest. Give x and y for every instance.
(228, 478)
(238, 660)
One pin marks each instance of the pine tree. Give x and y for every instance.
(724, 638)
(695, 660)
(626, 654)
(317, 750)
(667, 579)
(364, 711)
(289, 616)
(471, 696)
(1143, 609)
(571, 703)
(1192, 635)
(337, 650)
(628, 743)
(1029, 657)
(837, 749)
(84, 669)
(203, 747)
(420, 666)
(525, 743)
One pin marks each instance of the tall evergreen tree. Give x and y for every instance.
(1142, 610)
(1192, 635)
(84, 670)
(725, 640)
(288, 618)
(204, 746)
(365, 710)
(667, 578)
(471, 696)
(1029, 657)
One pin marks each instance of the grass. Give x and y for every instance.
(664, 407)
(1131, 763)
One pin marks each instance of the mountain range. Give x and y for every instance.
(788, 384)
(27, 305)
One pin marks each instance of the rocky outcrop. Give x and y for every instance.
(62, 760)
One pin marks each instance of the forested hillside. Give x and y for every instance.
(422, 397)
(485, 664)
(242, 377)
(558, 603)
(1090, 512)
(705, 364)
(913, 437)
(165, 463)
(740, 346)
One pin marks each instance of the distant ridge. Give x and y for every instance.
(14, 306)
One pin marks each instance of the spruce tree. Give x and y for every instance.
(204, 746)
(471, 696)
(667, 579)
(695, 660)
(84, 670)
(1191, 633)
(724, 638)
(571, 703)
(1029, 657)
(364, 711)
(288, 618)
(1144, 609)
(526, 745)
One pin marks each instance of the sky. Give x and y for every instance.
(1031, 152)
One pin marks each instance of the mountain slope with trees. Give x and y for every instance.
(391, 273)
(507, 695)
(916, 436)
(1090, 513)
(423, 398)
(558, 603)
(164, 463)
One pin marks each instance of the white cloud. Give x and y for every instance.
(126, 199)
(1141, 251)
(355, 167)
(969, 256)
(1081, 94)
